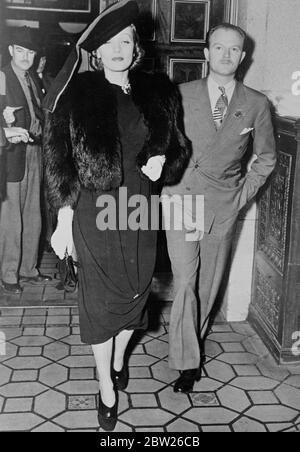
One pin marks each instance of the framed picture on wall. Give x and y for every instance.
(147, 19)
(182, 70)
(190, 21)
(73, 10)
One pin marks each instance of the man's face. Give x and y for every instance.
(225, 52)
(23, 58)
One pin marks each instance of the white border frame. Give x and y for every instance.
(206, 24)
(187, 60)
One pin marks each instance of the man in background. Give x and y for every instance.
(20, 216)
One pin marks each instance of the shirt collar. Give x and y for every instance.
(214, 85)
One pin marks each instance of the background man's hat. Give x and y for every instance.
(25, 37)
(111, 21)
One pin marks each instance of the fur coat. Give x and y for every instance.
(82, 145)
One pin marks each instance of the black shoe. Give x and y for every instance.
(39, 279)
(11, 289)
(186, 381)
(121, 378)
(107, 417)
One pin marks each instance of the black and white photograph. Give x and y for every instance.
(190, 21)
(149, 219)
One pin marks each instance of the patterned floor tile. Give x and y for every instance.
(269, 369)
(200, 399)
(272, 413)
(2, 400)
(31, 341)
(176, 403)
(212, 349)
(58, 332)
(219, 371)
(263, 398)
(18, 422)
(30, 351)
(222, 328)
(30, 362)
(59, 312)
(22, 390)
(289, 396)
(48, 427)
(53, 375)
(144, 401)
(33, 331)
(246, 371)
(79, 402)
(72, 340)
(141, 360)
(56, 351)
(144, 385)
(157, 348)
(35, 312)
(11, 312)
(254, 383)
(34, 320)
(231, 347)
(11, 333)
(238, 358)
(10, 321)
(21, 405)
(122, 428)
(73, 420)
(5, 374)
(82, 374)
(161, 371)
(246, 425)
(24, 375)
(293, 381)
(210, 415)
(226, 337)
(278, 427)
(233, 398)
(146, 417)
(140, 372)
(182, 426)
(58, 320)
(207, 385)
(78, 361)
(150, 430)
(79, 387)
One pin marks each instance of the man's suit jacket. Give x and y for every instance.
(15, 97)
(215, 168)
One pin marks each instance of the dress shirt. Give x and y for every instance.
(215, 93)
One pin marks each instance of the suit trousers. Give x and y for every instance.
(20, 222)
(198, 269)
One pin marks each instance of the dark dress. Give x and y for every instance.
(116, 266)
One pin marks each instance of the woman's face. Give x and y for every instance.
(117, 53)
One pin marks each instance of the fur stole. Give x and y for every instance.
(82, 142)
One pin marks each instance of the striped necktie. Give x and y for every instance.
(220, 108)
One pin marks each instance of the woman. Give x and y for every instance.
(108, 131)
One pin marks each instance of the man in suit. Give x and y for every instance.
(221, 115)
(20, 216)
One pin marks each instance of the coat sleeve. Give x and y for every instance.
(265, 149)
(179, 150)
(60, 171)
(2, 164)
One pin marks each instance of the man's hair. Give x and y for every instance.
(226, 26)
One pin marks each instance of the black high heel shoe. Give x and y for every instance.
(108, 417)
(186, 381)
(121, 378)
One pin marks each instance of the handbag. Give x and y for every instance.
(68, 275)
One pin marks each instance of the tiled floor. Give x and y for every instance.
(48, 379)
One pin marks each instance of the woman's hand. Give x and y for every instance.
(154, 167)
(62, 239)
(17, 134)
